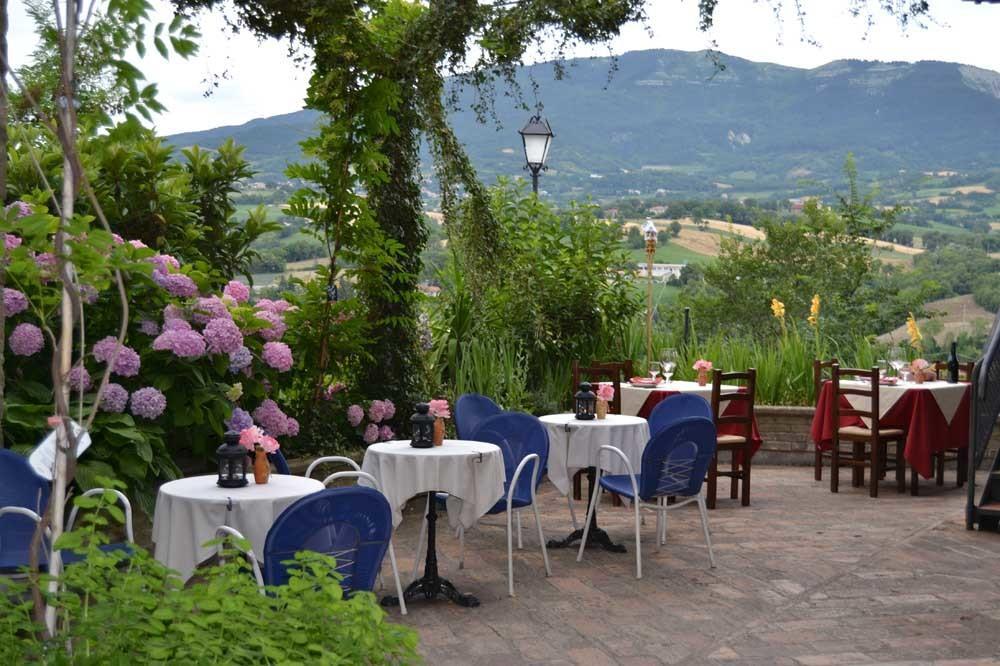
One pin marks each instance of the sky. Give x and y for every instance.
(259, 79)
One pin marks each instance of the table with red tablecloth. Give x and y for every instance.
(935, 416)
(655, 396)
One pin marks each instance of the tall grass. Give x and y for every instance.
(494, 368)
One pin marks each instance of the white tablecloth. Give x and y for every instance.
(948, 396)
(189, 510)
(634, 398)
(471, 473)
(574, 444)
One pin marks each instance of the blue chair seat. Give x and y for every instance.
(519, 501)
(14, 560)
(69, 557)
(619, 484)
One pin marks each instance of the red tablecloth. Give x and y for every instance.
(735, 408)
(927, 431)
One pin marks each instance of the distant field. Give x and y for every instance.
(957, 314)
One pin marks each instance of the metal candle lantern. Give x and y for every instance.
(232, 462)
(422, 424)
(649, 232)
(537, 138)
(586, 402)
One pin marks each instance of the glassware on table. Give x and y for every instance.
(897, 359)
(883, 367)
(654, 369)
(668, 361)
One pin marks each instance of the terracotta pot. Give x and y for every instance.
(602, 409)
(438, 432)
(702, 377)
(261, 467)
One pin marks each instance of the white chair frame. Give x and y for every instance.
(129, 533)
(221, 532)
(661, 507)
(331, 459)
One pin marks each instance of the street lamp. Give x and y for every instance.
(537, 137)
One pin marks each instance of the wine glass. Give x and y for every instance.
(897, 359)
(654, 369)
(883, 367)
(668, 361)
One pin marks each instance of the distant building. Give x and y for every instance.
(611, 213)
(657, 210)
(429, 290)
(662, 272)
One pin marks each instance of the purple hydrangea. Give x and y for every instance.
(88, 294)
(176, 325)
(114, 398)
(388, 410)
(126, 365)
(26, 340)
(172, 311)
(371, 434)
(354, 415)
(23, 208)
(117, 240)
(239, 359)
(47, 264)
(278, 355)
(385, 433)
(79, 379)
(237, 291)
(376, 411)
(274, 421)
(223, 336)
(164, 263)
(149, 327)
(276, 307)
(11, 242)
(186, 344)
(14, 302)
(148, 403)
(209, 308)
(292, 426)
(240, 420)
(277, 325)
(176, 284)
(138, 244)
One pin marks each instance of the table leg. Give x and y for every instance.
(431, 585)
(596, 537)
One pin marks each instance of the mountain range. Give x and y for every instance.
(695, 123)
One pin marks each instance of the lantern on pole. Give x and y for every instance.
(649, 232)
(537, 138)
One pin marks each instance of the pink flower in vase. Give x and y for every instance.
(919, 365)
(606, 392)
(269, 444)
(701, 365)
(439, 409)
(250, 437)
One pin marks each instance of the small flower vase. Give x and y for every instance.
(261, 467)
(918, 376)
(438, 432)
(702, 377)
(602, 409)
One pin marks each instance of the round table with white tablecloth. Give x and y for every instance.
(574, 444)
(189, 510)
(471, 473)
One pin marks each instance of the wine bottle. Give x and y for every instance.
(953, 364)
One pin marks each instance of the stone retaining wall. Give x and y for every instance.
(787, 440)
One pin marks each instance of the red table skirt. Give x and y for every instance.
(735, 408)
(917, 412)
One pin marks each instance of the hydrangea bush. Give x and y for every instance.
(193, 363)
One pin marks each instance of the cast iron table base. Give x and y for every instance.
(596, 537)
(431, 585)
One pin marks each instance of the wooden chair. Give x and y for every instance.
(600, 371)
(735, 444)
(818, 378)
(869, 446)
(950, 455)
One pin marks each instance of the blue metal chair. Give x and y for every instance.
(470, 410)
(674, 462)
(677, 406)
(22, 489)
(278, 460)
(523, 441)
(69, 557)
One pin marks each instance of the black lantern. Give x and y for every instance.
(537, 138)
(232, 461)
(586, 402)
(422, 424)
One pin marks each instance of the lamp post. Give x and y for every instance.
(649, 232)
(537, 138)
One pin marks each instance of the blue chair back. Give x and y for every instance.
(676, 459)
(352, 524)
(518, 435)
(19, 486)
(677, 406)
(278, 460)
(470, 410)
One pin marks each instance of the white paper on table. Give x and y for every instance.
(43, 457)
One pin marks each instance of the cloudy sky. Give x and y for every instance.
(260, 79)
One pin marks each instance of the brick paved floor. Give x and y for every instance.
(804, 577)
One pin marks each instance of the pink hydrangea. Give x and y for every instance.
(14, 302)
(223, 336)
(269, 444)
(376, 411)
(164, 263)
(277, 307)
(176, 284)
(149, 327)
(127, 364)
(79, 379)
(117, 240)
(172, 311)
(250, 437)
(185, 344)
(237, 291)
(371, 434)
(388, 410)
(114, 398)
(278, 355)
(138, 244)
(47, 264)
(23, 208)
(274, 421)
(209, 308)
(176, 325)
(439, 409)
(148, 403)
(11, 242)
(276, 328)
(355, 415)
(26, 340)
(385, 433)
(333, 389)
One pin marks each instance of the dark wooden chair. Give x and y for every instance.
(818, 379)
(742, 444)
(600, 371)
(958, 456)
(869, 446)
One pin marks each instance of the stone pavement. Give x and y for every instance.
(804, 577)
